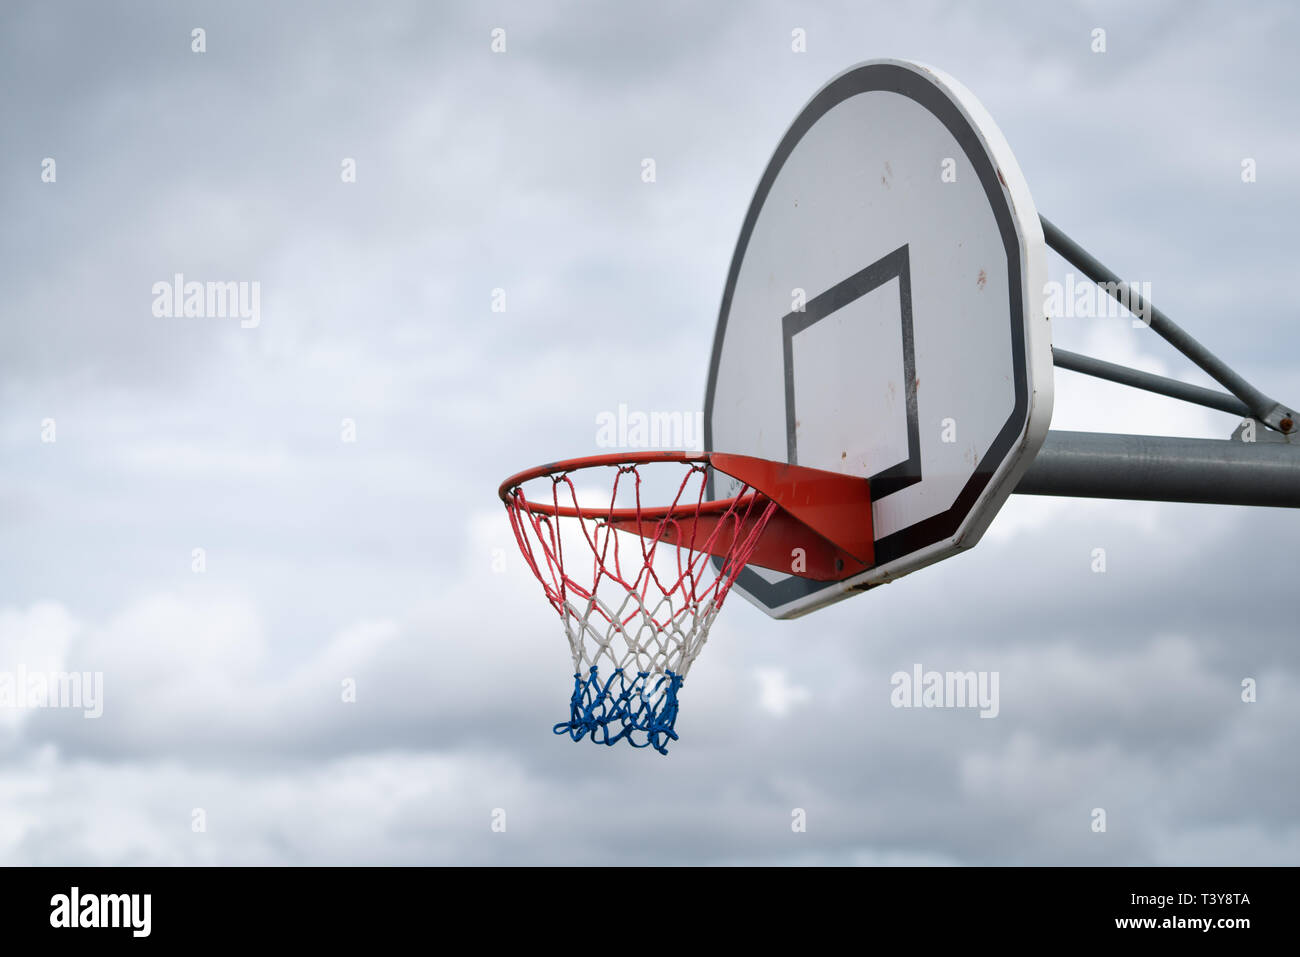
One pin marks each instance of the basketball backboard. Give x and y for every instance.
(883, 317)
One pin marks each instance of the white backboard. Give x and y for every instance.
(883, 317)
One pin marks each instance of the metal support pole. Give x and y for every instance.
(1268, 411)
(1151, 383)
(1156, 468)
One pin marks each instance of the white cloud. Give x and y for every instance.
(776, 695)
(374, 561)
(32, 641)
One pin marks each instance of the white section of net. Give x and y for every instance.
(637, 638)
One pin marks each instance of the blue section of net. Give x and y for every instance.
(640, 710)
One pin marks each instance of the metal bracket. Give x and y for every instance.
(1163, 469)
(826, 515)
(1269, 411)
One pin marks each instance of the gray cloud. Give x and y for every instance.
(373, 560)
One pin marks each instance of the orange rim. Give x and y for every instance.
(512, 494)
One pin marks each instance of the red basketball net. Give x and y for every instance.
(636, 588)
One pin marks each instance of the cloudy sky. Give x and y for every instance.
(377, 561)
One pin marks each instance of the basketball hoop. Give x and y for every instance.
(638, 587)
